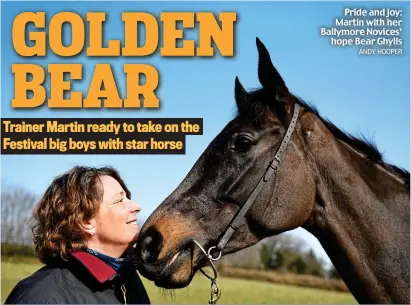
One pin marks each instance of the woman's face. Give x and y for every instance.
(116, 222)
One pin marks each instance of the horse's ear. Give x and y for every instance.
(272, 81)
(241, 97)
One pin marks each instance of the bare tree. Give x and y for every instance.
(17, 205)
(259, 255)
(246, 258)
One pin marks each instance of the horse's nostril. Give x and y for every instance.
(150, 245)
(145, 253)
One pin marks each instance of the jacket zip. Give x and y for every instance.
(123, 289)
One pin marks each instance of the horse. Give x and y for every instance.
(278, 165)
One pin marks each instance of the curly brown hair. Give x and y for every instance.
(71, 198)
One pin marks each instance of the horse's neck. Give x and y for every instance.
(361, 218)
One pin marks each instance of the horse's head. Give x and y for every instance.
(222, 180)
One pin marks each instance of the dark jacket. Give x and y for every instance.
(83, 280)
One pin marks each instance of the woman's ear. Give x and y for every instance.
(89, 226)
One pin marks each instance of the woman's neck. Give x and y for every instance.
(115, 251)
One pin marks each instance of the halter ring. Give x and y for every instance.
(210, 256)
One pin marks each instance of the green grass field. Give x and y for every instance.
(234, 291)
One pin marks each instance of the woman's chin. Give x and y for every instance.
(132, 234)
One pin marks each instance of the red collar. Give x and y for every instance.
(99, 269)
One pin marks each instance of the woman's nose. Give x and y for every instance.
(134, 207)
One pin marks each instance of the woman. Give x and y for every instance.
(85, 224)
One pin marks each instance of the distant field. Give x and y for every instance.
(234, 291)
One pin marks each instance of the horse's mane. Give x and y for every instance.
(366, 146)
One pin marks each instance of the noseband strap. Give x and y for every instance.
(273, 166)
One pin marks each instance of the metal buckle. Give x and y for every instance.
(215, 293)
(277, 164)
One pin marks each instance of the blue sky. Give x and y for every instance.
(361, 94)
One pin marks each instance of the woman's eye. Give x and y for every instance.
(121, 200)
(242, 144)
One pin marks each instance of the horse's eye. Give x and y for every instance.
(242, 143)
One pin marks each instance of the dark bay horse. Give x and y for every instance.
(332, 184)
